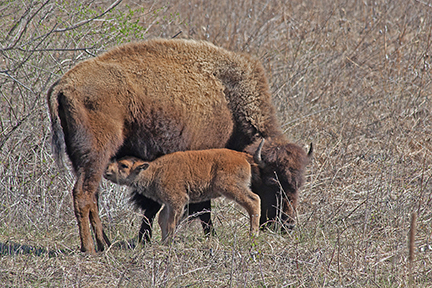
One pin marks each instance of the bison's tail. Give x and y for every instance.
(57, 140)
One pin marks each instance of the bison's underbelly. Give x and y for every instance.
(157, 135)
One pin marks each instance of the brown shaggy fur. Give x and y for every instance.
(191, 176)
(152, 98)
(279, 179)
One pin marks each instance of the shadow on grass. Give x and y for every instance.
(130, 244)
(11, 248)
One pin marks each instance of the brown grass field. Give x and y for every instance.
(352, 77)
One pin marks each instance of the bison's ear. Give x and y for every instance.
(143, 167)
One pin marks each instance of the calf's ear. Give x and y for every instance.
(143, 166)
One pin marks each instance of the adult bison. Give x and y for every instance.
(160, 96)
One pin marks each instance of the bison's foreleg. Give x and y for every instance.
(203, 209)
(150, 210)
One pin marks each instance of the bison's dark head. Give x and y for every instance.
(277, 178)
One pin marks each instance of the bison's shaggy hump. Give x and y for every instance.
(240, 77)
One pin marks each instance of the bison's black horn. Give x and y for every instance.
(310, 151)
(257, 156)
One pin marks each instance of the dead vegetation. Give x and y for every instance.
(353, 77)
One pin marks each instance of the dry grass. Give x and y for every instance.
(353, 77)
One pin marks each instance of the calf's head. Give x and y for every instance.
(125, 170)
(278, 178)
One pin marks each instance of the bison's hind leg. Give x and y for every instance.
(85, 198)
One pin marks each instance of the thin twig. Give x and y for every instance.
(308, 115)
(79, 24)
(56, 49)
(74, 26)
(178, 33)
(6, 72)
(424, 3)
(18, 124)
(24, 29)
(411, 240)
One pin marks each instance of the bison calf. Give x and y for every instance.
(190, 177)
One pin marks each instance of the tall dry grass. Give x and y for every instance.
(353, 77)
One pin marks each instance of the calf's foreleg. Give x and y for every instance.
(248, 200)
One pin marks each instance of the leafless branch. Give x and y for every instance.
(6, 72)
(424, 3)
(25, 27)
(56, 49)
(6, 136)
(79, 24)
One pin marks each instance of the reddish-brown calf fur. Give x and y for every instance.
(157, 97)
(191, 176)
